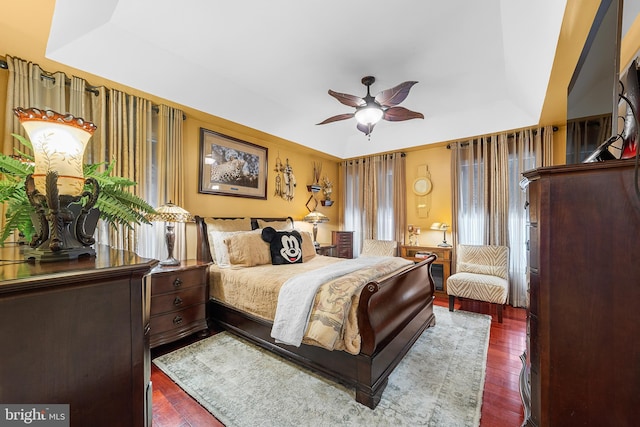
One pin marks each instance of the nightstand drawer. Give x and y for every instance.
(177, 300)
(177, 320)
(177, 280)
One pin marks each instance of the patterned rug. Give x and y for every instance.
(438, 383)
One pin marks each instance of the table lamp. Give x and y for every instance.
(315, 218)
(170, 214)
(56, 188)
(441, 227)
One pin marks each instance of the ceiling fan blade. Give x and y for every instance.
(366, 129)
(398, 114)
(395, 95)
(346, 99)
(336, 118)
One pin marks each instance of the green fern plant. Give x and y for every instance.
(116, 204)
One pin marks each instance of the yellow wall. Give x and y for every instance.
(24, 29)
(438, 161)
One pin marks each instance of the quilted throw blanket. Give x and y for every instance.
(331, 303)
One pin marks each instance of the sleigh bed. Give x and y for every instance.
(388, 314)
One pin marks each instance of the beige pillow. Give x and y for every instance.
(278, 225)
(237, 224)
(308, 249)
(217, 230)
(247, 249)
(217, 247)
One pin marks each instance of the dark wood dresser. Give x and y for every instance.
(77, 332)
(582, 366)
(178, 301)
(344, 243)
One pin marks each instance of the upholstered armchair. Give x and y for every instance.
(371, 247)
(482, 274)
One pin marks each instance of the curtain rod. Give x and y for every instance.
(510, 135)
(92, 89)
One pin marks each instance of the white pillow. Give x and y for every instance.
(218, 248)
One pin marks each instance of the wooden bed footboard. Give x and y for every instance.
(392, 314)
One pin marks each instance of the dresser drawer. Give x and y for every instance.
(174, 281)
(177, 320)
(177, 300)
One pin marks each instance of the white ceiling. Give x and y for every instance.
(482, 66)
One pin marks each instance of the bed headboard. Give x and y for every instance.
(202, 251)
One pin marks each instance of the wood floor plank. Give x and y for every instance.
(501, 404)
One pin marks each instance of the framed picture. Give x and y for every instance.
(232, 167)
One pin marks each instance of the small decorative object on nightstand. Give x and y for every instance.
(414, 232)
(178, 301)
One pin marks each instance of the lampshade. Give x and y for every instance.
(170, 213)
(439, 226)
(59, 142)
(369, 115)
(315, 217)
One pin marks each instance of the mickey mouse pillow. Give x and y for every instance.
(285, 246)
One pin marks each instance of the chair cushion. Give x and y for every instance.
(479, 287)
(371, 247)
(493, 260)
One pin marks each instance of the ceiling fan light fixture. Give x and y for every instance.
(369, 115)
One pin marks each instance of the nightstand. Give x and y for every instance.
(327, 250)
(178, 301)
(344, 243)
(440, 268)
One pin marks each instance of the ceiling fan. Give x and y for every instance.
(370, 110)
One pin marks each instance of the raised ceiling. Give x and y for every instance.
(482, 66)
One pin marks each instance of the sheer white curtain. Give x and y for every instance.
(489, 205)
(374, 198)
(163, 183)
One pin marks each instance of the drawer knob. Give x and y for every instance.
(177, 301)
(177, 320)
(177, 283)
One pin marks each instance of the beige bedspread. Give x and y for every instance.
(333, 323)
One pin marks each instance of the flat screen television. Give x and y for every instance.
(592, 99)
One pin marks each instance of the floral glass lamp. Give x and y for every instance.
(56, 189)
(170, 214)
(315, 218)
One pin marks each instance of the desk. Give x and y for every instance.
(441, 267)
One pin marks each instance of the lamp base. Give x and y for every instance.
(46, 255)
(169, 262)
(444, 245)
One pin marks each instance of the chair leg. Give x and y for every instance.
(452, 299)
(499, 313)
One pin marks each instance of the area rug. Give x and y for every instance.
(438, 383)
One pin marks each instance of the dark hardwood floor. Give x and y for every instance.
(501, 404)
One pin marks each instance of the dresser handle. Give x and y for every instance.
(177, 283)
(177, 320)
(177, 301)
